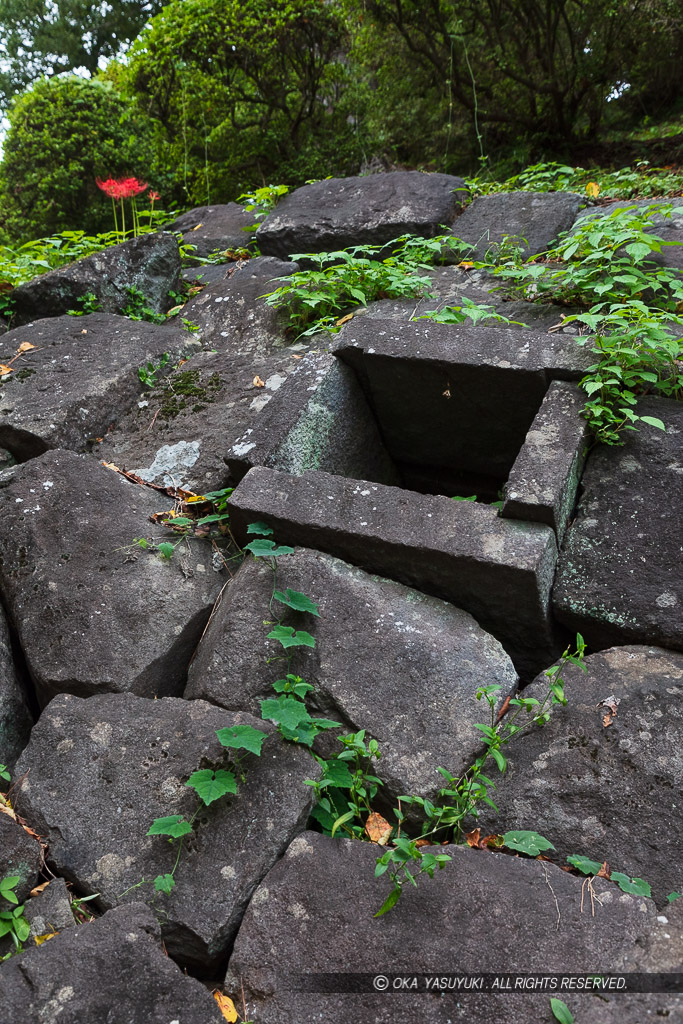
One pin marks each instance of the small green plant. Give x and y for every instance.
(137, 307)
(262, 200)
(561, 1011)
(476, 312)
(13, 922)
(89, 303)
(148, 372)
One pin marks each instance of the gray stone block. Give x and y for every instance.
(318, 420)
(92, 611)
(371, 210)
(212, 228)
(545, 477)
(531, 219)
(79, 379)
(150, 263)
(602, 785)
(388, 659)
(619, 575)
(15, 714)
(113, 969)
(101, 770)
(20, 855)
(536, 910)
(459, 551)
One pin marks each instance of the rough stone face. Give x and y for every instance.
(369, 210)
(47, 913)
(181, 430)
(232, 316)
(92, 611)
(609, 792)
(532, 219)
(544, 479)
(210, 228)
(112, 969)
(388, 659)
(80, 377)
(120, 762)
(150, 263)
(456, 399)
(15, 715)
(619, 578)
(319, 420)
(459, 551)
(20, 854)
(435, 928)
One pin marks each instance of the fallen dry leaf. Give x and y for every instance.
(466, 264)
(5, 369)
(25, 346)
(479, 842)
(604, 871)
(40, 939)
(422, 842)
(505, 705)
(258, 383)
(592, 189)
(84, 331)
(6, 809)
(473, 837)
(226, 1006)
(610, 704)
(378, 828)
(38, 889)
(197, 226)
(344, 320)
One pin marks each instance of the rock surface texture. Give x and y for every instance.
(113, 969)
(530, 220)
(149, 263)
(378, 644)
(74, 590)
(123, 761)
(370, 210)
(215, 228)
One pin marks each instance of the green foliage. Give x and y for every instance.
(212, 785)
(242, 737)
(289, 637)
(241, 90)
(267, 549)
(627, 183)
(13, 922)
(530, 843)
(561, 1011)
(637, 886)
(148, 372)
(476, 312)
(296, 600)
(65, 132)
(4, 774)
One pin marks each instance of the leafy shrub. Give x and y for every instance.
(65, 132)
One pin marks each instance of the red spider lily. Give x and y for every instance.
(110, 187)
(132, 187)
(153, 196)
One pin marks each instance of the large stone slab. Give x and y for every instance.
(606, 786)
(112, 969)
(410, 679)
(371, 210)
(434, 929)
(48, 913)
(456, 399)
(79, 378)
(460, 551)
(20, 856)
(91, 610)
(544, 479)
(532, 220)
(15, 713)
(212, 228)
(150, 263)
(231, 314)
(181, 429)
(319, 419)
(120, 762)
(619, 579)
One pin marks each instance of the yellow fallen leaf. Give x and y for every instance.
(592, 189)
(25, 346)
(226, 1006)
(197, 227)
(111, 465)
(378, 829)
(40, 939)
(466, 264)
(38, 889)
(6, 809)
(5, 369)
(195, 497)
(258, 383)
(344, 320)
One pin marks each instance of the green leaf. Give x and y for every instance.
(242, 737)
(561, 1011)
(287, 711)
(166, 550)
(210, 785)
(262, 529)
(527, 842)
(391, 901)
(6, 885)
(673, 896)
(340, 821)
(22, 928)
(499, 759)
(323, 817)
(584, 864)
(337, 774)
(267, 549)
(172, 826)
(164, 883)
(652, 421)
(296, 600)
(637, 886)
(288, 637)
